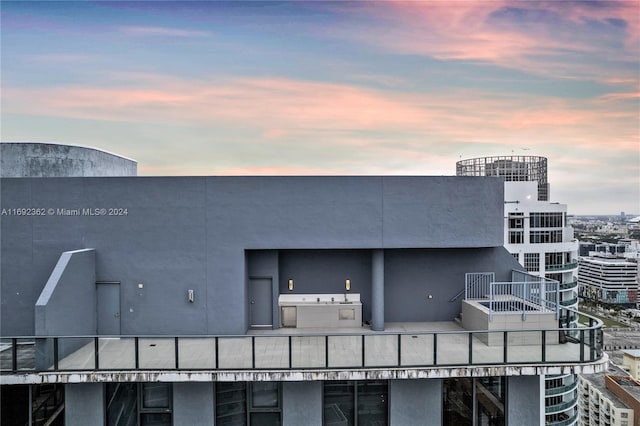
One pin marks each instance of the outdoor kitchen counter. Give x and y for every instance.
(309, 312)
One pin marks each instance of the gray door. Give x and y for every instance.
(260, 309)
(108, 300)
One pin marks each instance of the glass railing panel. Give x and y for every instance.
(115, 353)
(6, 354)
(416, 349)
(560, 349)
(156, 352)
(487, 348)
(567, 387)
(272, 352)
(453, 349)
(197, 352)
(524, 346)
(381, 350)
(345, 351)
(592, 344)
(599, 337)
(234, 352)
(25, 354)
(308, 352)
(76, 353)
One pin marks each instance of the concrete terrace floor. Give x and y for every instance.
(401, 345)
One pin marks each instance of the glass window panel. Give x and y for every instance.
(122, 404)
(265, 395)
(373, 403)
(458, 402)
(231, 403)
(265, 419)
(338, 403)
(490, 401)
(155, 419)
(155, 395)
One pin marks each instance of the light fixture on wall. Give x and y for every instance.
(290, 284)
(347, 284)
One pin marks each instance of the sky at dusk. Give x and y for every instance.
(326, 88)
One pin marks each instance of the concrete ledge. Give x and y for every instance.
(305, 375)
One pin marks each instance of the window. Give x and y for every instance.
(552, 260)
(532, 262)
(545, 220)
(144, 404)
(356, 403)
(516, 237)
(248, 403)
(461, 395)
(538, 237)
(516, 220)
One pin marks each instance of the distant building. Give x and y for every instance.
(586, 248)
(610, 398)
(631, 361)
(39, 159)
(537, 235)
(608, 279)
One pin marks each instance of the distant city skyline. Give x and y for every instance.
(323, 88)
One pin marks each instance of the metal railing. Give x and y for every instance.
(562, 267)
(569, 285)
(562, 389)
(569, 302)
(523, 294)
(307, 351)
(478, 285)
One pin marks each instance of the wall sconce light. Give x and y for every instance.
(347, 284)
(290, 284)
(190, 296)
(140, 285)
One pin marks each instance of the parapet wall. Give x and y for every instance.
(35, 159)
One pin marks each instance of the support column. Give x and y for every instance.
(377, 290)
(525, 400)
(84, 404)
(193, 403)
(415, 402)
(302, 403)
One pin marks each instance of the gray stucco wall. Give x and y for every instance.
(36, 159)
(412, 275)
(302, 403)
(416, 402)
(84, 404)
(193, 404)
(325, 271)
(183, 233)
(67, 304)
(523, 403)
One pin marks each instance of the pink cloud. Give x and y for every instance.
(305, 112)
(464, 31)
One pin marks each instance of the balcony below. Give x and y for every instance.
(403, 350)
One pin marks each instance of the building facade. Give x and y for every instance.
(609, 399)
(277, 300)
(538, 236)
(605, 278)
